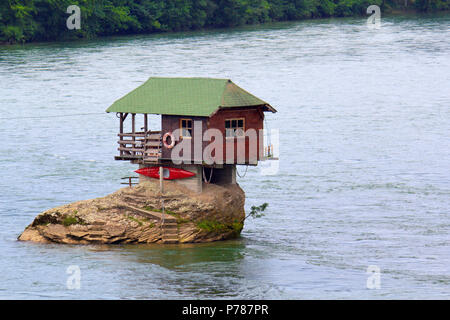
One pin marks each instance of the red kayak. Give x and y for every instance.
(168, 173)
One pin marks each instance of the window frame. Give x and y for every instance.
(243, 127)
(191, 128)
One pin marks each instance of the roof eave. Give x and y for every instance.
(267, 107)
(163, 114)
(270, 108)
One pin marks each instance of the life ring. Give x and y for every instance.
(172, 140)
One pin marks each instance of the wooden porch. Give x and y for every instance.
(145, 146)
(141, 146)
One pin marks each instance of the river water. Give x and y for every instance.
(364, 171)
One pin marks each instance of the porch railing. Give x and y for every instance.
(140, 145)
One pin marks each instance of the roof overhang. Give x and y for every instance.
(264, 108)
(186, 96)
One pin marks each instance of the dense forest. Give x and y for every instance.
(45, 20)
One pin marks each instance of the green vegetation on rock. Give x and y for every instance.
(141, 221)
(219, 227)
(149, 208)
(72, 219)
(45, 20)
(180, 219)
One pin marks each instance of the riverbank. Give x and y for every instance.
(48, 22)
(269, 25)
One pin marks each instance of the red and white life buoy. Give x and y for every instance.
(172, 140)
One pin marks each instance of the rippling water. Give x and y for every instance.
(364, 167)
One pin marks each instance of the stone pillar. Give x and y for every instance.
(194, 183)
(143, 178)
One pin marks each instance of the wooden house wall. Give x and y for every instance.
(170, 123)
(253, 119)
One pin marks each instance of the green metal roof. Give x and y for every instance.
(185, 96)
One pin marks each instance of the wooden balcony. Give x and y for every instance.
(141, 146)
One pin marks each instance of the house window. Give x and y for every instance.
(234, 128)
(186, 128)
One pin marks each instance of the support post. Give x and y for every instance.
(161, 189)
(121, 122)
(145, 123)
(133, 130)
(161, 176)
(121, 130)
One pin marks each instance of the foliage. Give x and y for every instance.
(257, 211)
(351, 7)
(180, 220)
(45, 20)
(135, 220)
(219, 227)
(432, 5)
(149, 208)
(141, 222)
(72, 219)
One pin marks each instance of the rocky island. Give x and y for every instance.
(208, 127)
(134, 215)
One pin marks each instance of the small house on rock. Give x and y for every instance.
(208, 126)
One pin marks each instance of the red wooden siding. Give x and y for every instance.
(253, 119)
(171, 123)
